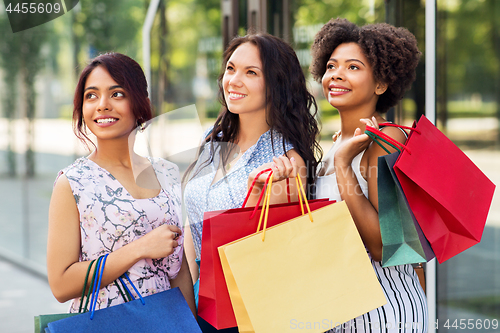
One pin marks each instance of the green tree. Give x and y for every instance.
(20, 55)
(108, 25)
(493, 8)
(468, 52)
(309, 12)
(31, 63)
(179, 30)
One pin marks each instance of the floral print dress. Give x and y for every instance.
(111, 218)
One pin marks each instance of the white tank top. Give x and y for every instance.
(327, 187)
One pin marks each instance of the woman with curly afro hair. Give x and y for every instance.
(364, 71)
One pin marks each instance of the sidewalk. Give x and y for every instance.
(24, 295)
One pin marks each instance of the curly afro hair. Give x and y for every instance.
(391, 51)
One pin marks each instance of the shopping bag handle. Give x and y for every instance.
(80, 308)
(97, 283)
(263, 190)
(133, 286)
(377, 140)
(101, 261)
(94, 275)
(401, 126)
(265, 206)
(386, 138)
(252, 186)
(125, 292)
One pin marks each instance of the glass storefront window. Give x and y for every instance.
(186, 50)
(468, 111)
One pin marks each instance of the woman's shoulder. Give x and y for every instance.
(207, 132)
(74, 174)
(395, 132)
(75, 169)
(279, 141)
(270, 144)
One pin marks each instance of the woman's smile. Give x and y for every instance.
(105, 121)
(235, 96)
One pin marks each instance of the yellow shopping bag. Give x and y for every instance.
(302, 274)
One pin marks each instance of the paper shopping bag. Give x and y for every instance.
(402, 239)
(448, 194)
(222, 227)
(166, 311)
(42, 321)
(304, 272)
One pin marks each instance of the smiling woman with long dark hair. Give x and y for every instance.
(267, 120)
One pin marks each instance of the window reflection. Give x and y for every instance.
(187, 44)
(468, 98)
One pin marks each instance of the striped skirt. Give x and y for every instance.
(406, 308)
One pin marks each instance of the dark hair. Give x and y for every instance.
(128, 74)
(289, 103)
(392, 52)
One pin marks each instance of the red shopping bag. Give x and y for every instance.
(222, 227)
(448, 194)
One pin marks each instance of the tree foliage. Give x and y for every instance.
(109, 25)
(472, 63)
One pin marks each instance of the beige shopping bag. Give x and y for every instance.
(304, 274)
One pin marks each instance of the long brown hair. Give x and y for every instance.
(291, 109)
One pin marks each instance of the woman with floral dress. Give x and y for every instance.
(114, 201)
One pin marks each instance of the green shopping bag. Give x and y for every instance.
(42, 321)
(402, 238)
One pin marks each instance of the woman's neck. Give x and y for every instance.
(114, 152)
(251, 128)
(132, 170)
(351, 119)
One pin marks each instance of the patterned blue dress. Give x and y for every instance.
(201, 196)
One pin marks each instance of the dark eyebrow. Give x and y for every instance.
(348, 60)
(110, 88)
(356, 60)
(248, 67)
